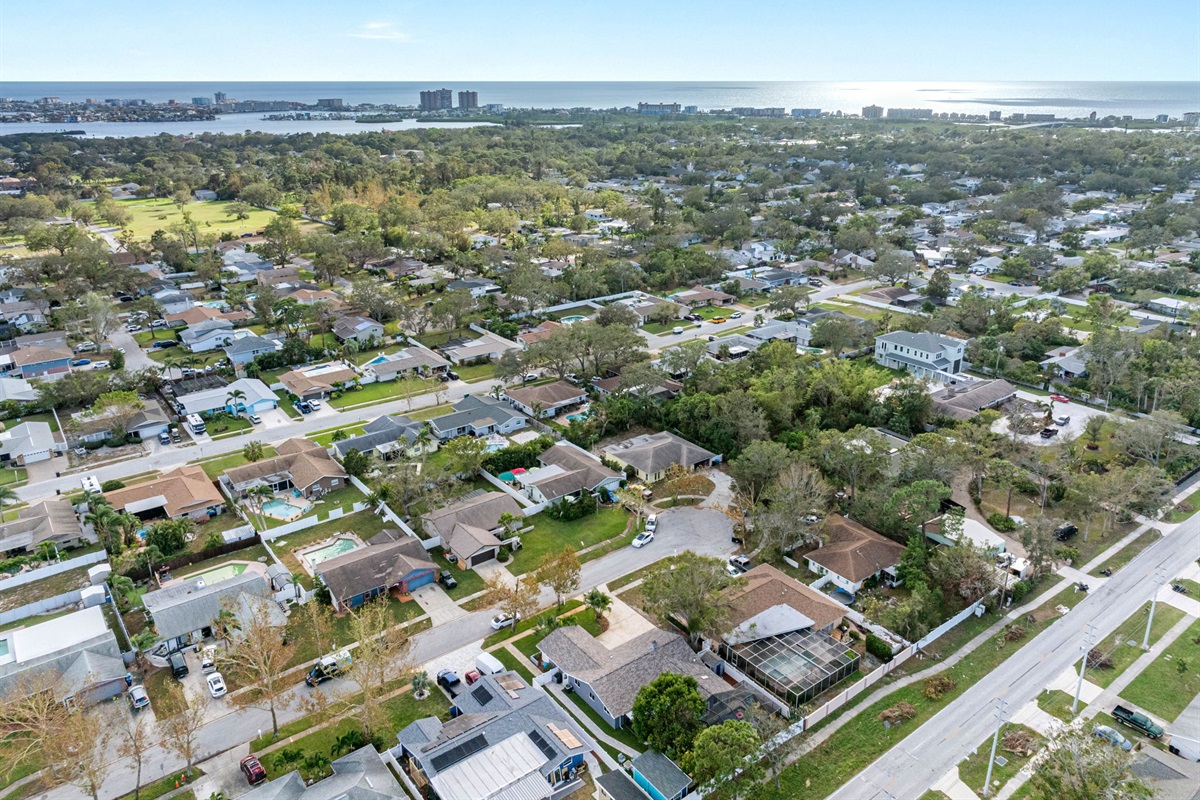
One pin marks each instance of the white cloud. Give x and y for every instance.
(384, 31)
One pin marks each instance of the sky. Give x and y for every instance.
(615, 40)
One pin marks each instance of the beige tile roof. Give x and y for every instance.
(301, 384)
(548, 395)
(854, 552)
(767, 587)
(38, 355)
(185, 489)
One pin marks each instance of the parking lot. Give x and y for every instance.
(1072, 430)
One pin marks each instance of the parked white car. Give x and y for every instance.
(644, 538)
(216, 685)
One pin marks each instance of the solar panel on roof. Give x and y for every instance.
(481, 695)
(543, 745)
(456, 754)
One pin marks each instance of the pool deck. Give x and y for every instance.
(302, 553)
(251, 566)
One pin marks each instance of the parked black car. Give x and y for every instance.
(1065, 531)
(447, 680)
(178, 665)
(447, 580)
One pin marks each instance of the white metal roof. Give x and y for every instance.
(509, 769)
(59, 634)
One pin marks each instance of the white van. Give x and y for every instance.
(677, 330)
(652, 523)
(488, 664)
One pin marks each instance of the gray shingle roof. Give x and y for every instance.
(655, 452)
(183, 608)
(383, 430)
(662, 773)
(361, 775)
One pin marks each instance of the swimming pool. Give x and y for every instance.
(578, 417)
(222, 573)
(573, 318)
(334, 549)
(377, 360)
(284, 509)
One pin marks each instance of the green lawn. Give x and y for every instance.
(1118, 648)
(1057, 703)
(1162, 688)
(44, 589)
(863, 739)
(423, 414)
(325, 437)
(622, 735)
(527, 624)
(1128, 552)
(166, 693)
(1192, 587)
(469, 581)
(515, 664)
(475, 372)
(383, 392)
(13, 477)
(213, 216)
(46, 417)
(227, 424)
(1177, 515)
(213, 468)
(305, 647)
(551, 535)
(973, 771)
(163, 786)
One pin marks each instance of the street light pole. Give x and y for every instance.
(1160, 580)
(987, 783)
(1087, 648)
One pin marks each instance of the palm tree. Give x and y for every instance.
(48, 551)
(348, 742)
(256, 498)
(225, 625)
(105, 521)
(254, 451)
(314, 762)
(121, 587)
(287, 757)
(349, 349)
(420, 685)
(598, 602)
(237, 399)
(7, 496)
(424, 437)
(129, 525)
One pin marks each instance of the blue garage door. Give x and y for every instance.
(417, 581)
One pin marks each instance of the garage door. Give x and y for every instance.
(420, 580)
(482, 557)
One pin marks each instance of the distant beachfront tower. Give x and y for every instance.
(656, 109)
(872, 112)
(468, 100)
(437, 100)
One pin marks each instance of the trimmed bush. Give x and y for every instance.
(1001, 523)
(112, 485)
(879, 648)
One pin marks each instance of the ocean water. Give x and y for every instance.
(1064, 99)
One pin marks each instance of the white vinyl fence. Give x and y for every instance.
(53, 569)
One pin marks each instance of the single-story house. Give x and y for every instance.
(468, 527)
(174, 301)
(798, 331)
(477, 415)
(247, 348)
(185, 612)
(1172, 307)
(1068, 360)
(972, 531)
(665, 389)
(567, 471)
(852, 554)
(608, 680)
(183, 492)
(17, 390)
(702, 296)
(317, 380)
(41, 362)
(300, 466)
(411, 359)
(508, 741)
(212, 334)
(537, 334)
(361, 775)
(53, 521)
(258, 398)
(388, 438)
(965, 401)
(547, 400)
(731, 348)
(391, 560)
(986, 266)
(22, 314)
(478, 287)
(145, 424)
(76, 653)
(651, 455)
(28, 443)
(360, 329)
(488, 347)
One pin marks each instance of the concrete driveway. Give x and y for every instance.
(433, 599)
(624, 623)
(1072, 430)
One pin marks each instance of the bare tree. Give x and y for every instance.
(382, 656)
(133, 741)
(258, 659)
(85, 737)
(518, 599)
(180, 733)
(559, 572)
(32, 719)
(1077, 765)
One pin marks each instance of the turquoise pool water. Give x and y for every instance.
(334, 549)
(377, 360)
(578, 417)
(282, 509)
(3, 647)
(573, 318)
(222, 573)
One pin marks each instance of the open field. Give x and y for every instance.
(213, 216)
(1165, 688)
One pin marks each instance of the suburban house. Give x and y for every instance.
(608, 680)
(478, 287)
(567, 471)
(145, 424)
(199, 314)
(212, 334)
(17, 390)
(174, 301)
(41, 362)
(360, 329)
(468, 526)
(409, 360)
(361, 775)
(986, 265)
(301, 466)
(317, 380)
(256, 399)
(184, 612)
(23, 315)
(508, 741)
(774, 277)
(28, 443)
(924, 354)
(391, 560)
(731, 348)
(244, 350)
(1068, 361)
(183, 492)
(547, 400)
(702, 296)
(388, 438)
(651, 776)
(852, 554)
(1172, 307)
(798, 331)
(76, 653)
(971, 531)
(537, 334)
(965, 400)
(51, 521)
(477, 415)
(651, 455)
(904, 297)
(487, 347)
(663, 390)
(780, 636)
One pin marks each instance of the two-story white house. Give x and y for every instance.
(923, 354)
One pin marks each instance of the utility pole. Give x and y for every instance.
(1087, 648)
(1160, 580)
(1000, 708)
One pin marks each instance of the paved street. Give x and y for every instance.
(915, 764)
